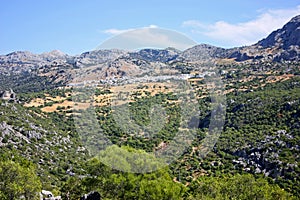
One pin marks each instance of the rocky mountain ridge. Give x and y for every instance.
(285, 37)
(279, 44)
(60, 68)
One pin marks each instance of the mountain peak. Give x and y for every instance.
(20, 53)
(54, 53)
(153, 55)
(295, 19)
(203, 51)
(285, 37)
(57, 52)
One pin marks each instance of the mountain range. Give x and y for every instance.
(281, 45)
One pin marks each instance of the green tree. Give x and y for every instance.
(73, 189)
(18, 181)
(114, 184)
(236, 187)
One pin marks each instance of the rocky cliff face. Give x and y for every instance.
(285, 37)
(97, 57)
(282, 44)
(156, 55)
(204, 52)
(26, 57)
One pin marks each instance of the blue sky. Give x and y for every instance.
(75, 26)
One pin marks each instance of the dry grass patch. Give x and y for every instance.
(35, 102)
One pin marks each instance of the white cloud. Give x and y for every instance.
(114, 31)
(152, 26)
(244, 33)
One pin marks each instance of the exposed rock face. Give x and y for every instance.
(264, 156)
(156, 55)
(282, 44)
(8, 95)
(97, 57)
(18, 57)
(204, 51)
(54, 55)
(285, 37)
(26, 57)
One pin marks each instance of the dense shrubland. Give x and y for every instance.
(256, 156)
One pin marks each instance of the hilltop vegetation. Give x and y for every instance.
(46, 140)
(259, 145)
